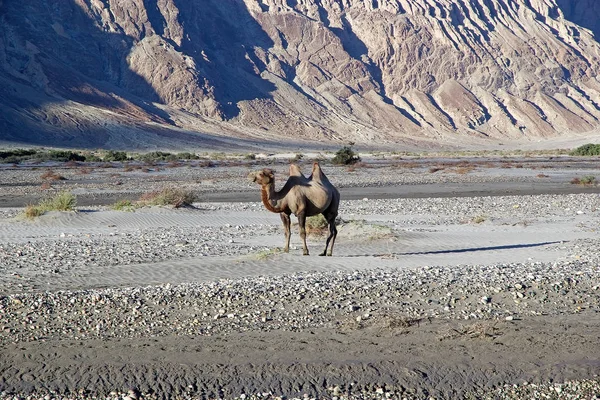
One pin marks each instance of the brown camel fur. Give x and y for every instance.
(303, 197)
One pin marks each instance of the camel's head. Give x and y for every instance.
(263, 177)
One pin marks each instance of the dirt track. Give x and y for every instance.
(441, 359)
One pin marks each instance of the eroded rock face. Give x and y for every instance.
(332, 69)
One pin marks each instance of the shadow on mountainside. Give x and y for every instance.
(57, 52)
(222, 36)
(585, 13)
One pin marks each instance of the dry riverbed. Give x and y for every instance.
(448, 295)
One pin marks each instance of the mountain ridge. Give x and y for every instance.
(97, 73)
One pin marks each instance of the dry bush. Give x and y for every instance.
(433, 170)
(316, 225)
(168, 197)
(464, 163)
(395, 322)
(479, 219)
(46, 186)
(32, 211)
(206, 164)
(407, 165)
(586, 181)
(173, 164)
(50, 175)
(479, 330)
(385, 324)
(543, 176)
(464, 170)
(129, 168)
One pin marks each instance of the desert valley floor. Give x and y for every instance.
(451, 277)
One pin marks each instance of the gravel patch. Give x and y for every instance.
(304, 301)
(393, 299)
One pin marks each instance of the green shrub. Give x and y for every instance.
(16, 156)
(158, 156)
(63, 201)
(115, 156)
(92, 158)
(123, 205)
(345, 156)
(587, 150)
(316, 225)
(187, 156)
(62, 155)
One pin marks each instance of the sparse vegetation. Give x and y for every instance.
(479, 330)
(588, 180)
(20, 155)
(115, 156)
(464, 169)
(33, 211)
(50, 175)
(479, 219)
(63, 201)
(156, 156)
(589, 149)
(187, 156)
(345, 156)
(266, 253)
(124, 205)
(316, 225)
(168, 197)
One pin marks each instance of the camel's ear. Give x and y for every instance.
(269, 172)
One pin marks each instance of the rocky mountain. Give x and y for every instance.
(160, 73)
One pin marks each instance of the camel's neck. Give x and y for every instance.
(270, 198)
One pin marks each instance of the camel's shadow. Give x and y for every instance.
(486, 248)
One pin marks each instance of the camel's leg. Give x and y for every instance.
(285, 218)
(302, 224)
(330, 217)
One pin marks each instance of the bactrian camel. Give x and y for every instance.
(303, 197)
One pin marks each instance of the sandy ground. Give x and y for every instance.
(426, 355)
